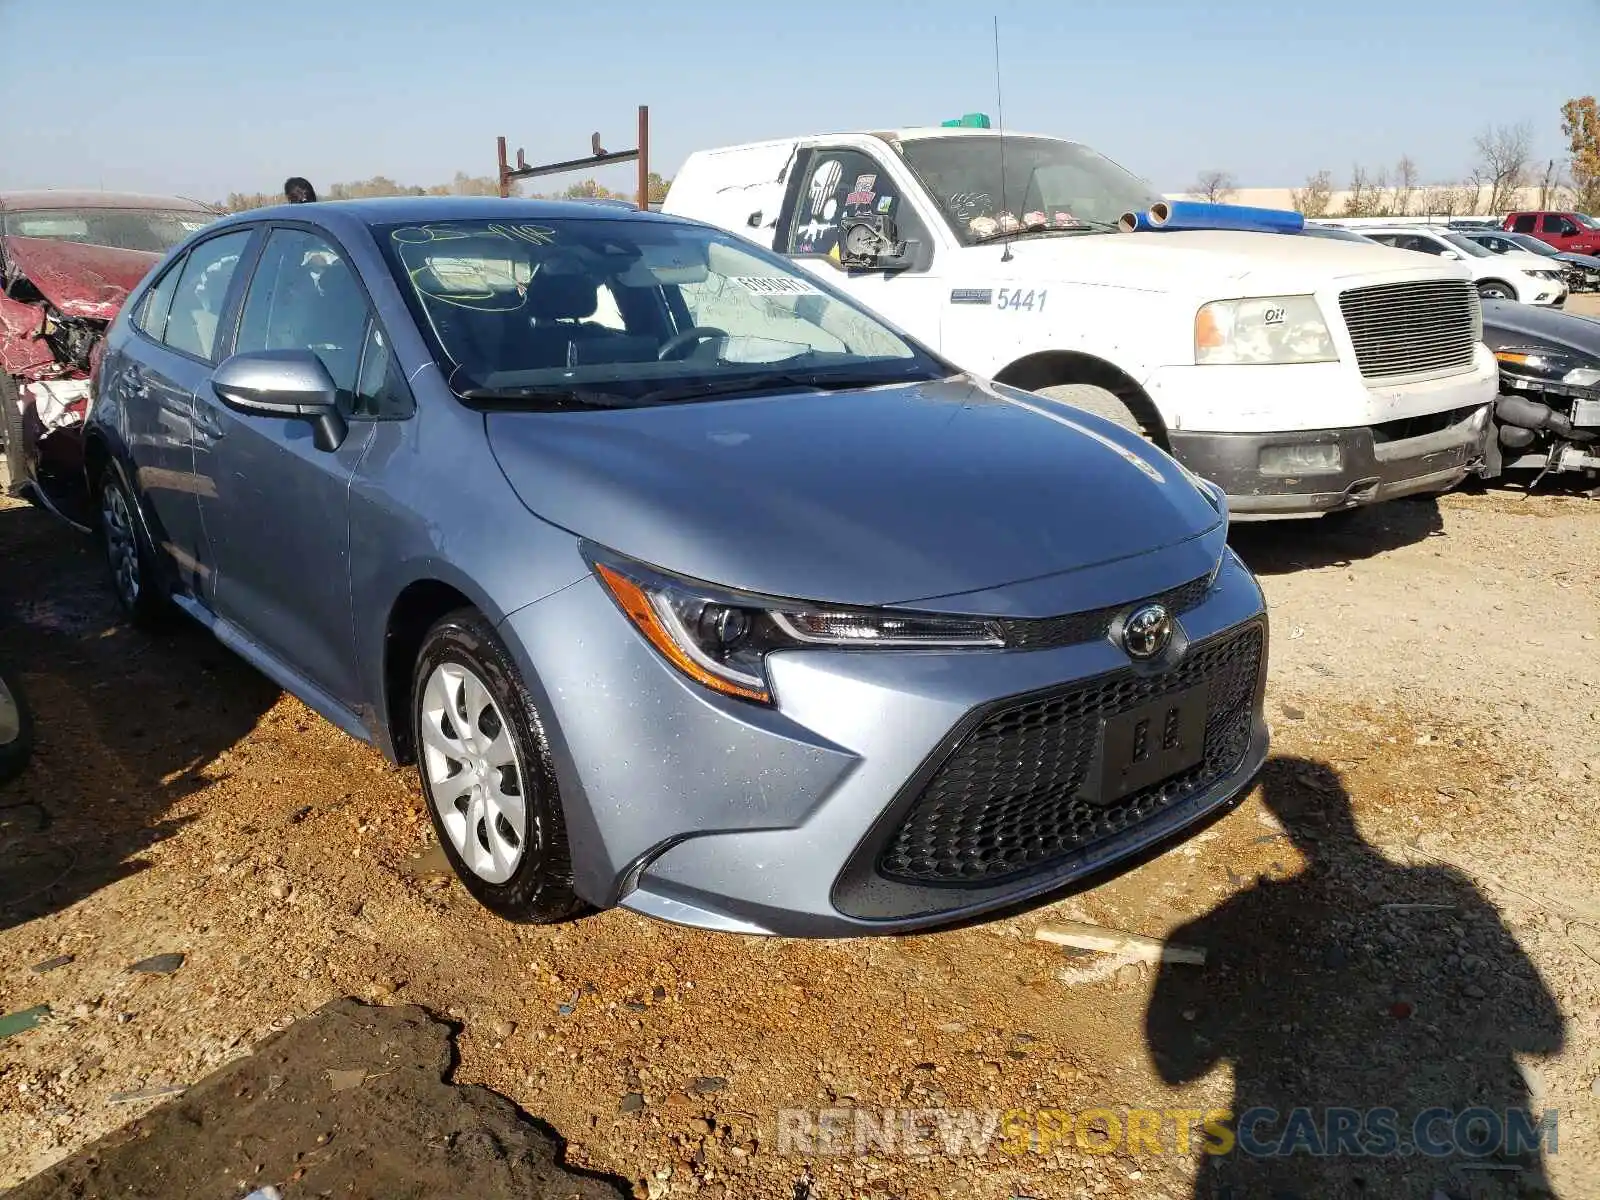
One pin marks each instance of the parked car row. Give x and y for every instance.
(841, 550)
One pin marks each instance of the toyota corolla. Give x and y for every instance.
(689, 584)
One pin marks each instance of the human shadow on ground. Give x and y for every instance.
(1356, 986)
(124, 723)
(1279, 547)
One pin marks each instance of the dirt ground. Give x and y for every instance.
(1404, 913)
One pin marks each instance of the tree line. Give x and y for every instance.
(1504, 170)
(462, 185)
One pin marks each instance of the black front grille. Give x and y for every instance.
(1039, 633)
(1006, 802)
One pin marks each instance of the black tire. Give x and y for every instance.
(14, 463)
(1494, 289)
(539, 890)
(1097, 400)
(135, 580)
(16, 730)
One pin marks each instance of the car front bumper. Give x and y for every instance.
(1373, 463)
(715, 813)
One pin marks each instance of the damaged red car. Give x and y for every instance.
(67, 262)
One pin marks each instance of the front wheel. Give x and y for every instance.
(1493, 289)
(16, 731)
(487, 775)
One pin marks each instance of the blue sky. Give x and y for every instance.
(211, 96)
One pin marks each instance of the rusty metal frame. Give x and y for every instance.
(599, 158)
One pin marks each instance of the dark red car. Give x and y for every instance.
(1574, 232)
(67, 262)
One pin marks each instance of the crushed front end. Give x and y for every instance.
(57, 301)
(1547, 416)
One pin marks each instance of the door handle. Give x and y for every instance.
(205, 417)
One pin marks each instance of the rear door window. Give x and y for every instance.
(201, 291)
(1523, 224)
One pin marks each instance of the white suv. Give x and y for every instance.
(1513, 276)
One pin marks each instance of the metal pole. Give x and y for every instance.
(644, 158)
(505, 170)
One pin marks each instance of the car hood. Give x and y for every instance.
(77, 279)
(1507, 324)
(1589, 262)
(1523, 260)
(882, 496)
(1207, 261)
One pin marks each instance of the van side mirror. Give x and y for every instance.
(1449, 254)
(872, 244)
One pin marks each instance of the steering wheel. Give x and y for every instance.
(679, 342)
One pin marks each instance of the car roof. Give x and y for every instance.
(60, 198)
(396, 210)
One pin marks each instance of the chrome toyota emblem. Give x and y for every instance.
(1147, 631)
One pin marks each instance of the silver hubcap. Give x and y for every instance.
(10, 718)
(474, 774)
(121, 546)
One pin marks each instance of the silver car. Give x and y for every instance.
(690, 585)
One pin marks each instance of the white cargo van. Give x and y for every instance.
(1304, 375)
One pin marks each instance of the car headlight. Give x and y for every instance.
(1262, 329)
(1553, 276)
(721, 639)
(1553, 365)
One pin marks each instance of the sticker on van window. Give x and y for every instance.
(862, 193)
(775, 285)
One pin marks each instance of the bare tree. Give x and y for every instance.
(1405, 185)
(1504, 155)
(1216, 186)
(1380, 194)
(1313, 199)
(1362, 200)
(1550, 186)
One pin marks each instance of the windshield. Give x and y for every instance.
(1327, 231)
(1466, 245)
(1049, 185)
(154, 229)
(603, 312)
(1531, 244)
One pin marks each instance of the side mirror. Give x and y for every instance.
(1449, 254)
(283, 383)
(871, 244)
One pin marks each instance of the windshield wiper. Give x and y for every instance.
(556, 397)
(1081, 227)
(777, 381)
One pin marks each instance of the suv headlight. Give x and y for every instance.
(1262, 329)
(1554, 276)
(721, 639)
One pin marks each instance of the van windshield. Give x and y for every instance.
(609, 313)
(1048, 185)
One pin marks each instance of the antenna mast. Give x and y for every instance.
(1000, 113)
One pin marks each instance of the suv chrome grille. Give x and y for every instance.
(1412, 328)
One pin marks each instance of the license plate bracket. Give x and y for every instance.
(1150, 743)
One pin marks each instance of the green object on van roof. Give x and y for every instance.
(969, 121)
